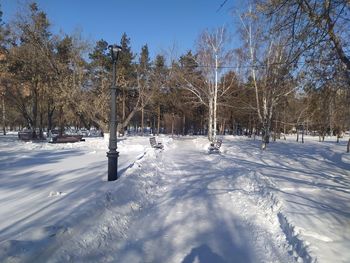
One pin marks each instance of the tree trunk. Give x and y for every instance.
(3, 115)
(126, 121)
(297, 134)
(348, 146)
(49, 116)
(61, 121)
(142, 120)
(233, 127)
(250, 125)
(266, 135)
(331, 117)
(284, 122)
(215, 98)
(123, 107)
(223, 127)
(41, 134)
(183, 125)
(154, 125)
(158, 123)
(172, 124)
(201, 131)
(302, 134)
(254, 129)
(210, 125)
(35, 112)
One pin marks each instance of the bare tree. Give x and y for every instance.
(314, 23)
(212, 54)
(271, 61)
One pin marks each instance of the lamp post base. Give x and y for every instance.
(112, 165)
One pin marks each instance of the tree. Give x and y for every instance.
(28, 63)
(271, 62)
(159, 82)
(127, 83)
(98, 93)
(126, 74)
(313, 23)
(134, 83)
(212, 55)
(143, 79)
(200, 74)
(47, 72)
(4, 38)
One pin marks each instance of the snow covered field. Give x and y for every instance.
(288, 204)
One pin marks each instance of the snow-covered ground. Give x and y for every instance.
(181, 204)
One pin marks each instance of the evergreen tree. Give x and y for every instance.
(160, 90)
(144, 61)
(126, 77)
(100, 57)
(125, 65)
(143, 79)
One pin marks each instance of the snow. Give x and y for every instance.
(181, 204)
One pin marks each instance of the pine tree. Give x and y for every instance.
(125, 74)
(159, 85)
(143, 76)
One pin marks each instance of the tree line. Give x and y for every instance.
(291, 74)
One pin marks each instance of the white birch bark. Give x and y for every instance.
(215, 98)
(210, 124)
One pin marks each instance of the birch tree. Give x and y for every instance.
(314, 24)
(212, 54)
(317, 27)
(271, 60)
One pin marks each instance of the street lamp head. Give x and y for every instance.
(114, 49)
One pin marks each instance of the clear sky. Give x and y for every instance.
(162, 24)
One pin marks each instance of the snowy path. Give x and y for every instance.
(206, 208)
(289, 203)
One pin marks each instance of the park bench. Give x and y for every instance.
(67, 139)
(154, 143)
(25, 135)
(28, 135)
(215, 146)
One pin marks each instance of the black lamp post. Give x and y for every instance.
(113, 155)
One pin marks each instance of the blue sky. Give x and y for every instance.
(162, 24)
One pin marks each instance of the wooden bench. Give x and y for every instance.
(25, 135)
(67, 139)
(215, 146)
(154, 143)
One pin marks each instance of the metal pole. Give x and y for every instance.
(113, 154)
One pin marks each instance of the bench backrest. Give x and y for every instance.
(152, 141)
(218, 143)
